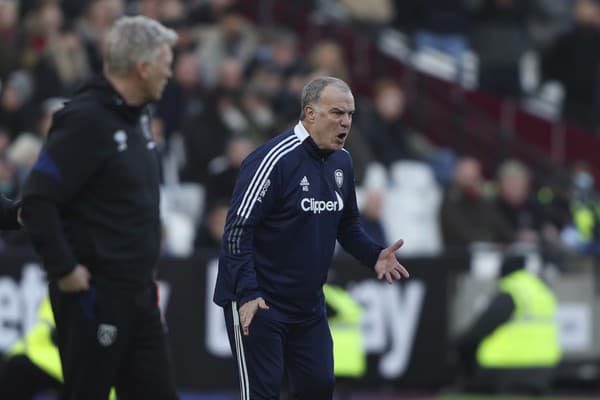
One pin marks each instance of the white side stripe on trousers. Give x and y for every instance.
(241, 358)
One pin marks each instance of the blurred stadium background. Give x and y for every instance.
(497, 101)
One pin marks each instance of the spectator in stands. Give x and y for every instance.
(184, 94)
(233, 37)
(574, 61)
(280, 51)
(515, 202)
(10, 37)
(207, 130)
(386, 134)
(466, 215)
(210, 232)
(42, 25)
(555, 198)
(288, 103)
(93, 25)
(16, 109)
(513, 344)
(327, 58)
(62, 67)
(499, 37)
(583, 233)
(256, 104)
(223, 170)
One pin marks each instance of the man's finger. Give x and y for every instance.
(396, 246)
(403, 270)
(262, 305)
(388, 277)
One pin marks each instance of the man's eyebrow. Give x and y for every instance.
(335, 109)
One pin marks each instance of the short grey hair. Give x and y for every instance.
(311, 93)
(133, 39)
(511, 168)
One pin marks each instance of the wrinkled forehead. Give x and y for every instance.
(333, 96)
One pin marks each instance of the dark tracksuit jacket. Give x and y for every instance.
(100, 171)
(290, 204)
(92, 198)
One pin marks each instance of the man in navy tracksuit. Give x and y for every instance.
(293, 198)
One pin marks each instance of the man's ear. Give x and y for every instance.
(310, 113)
(141, 69)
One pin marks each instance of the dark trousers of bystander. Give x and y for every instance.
(112, 337)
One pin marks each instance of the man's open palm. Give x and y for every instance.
(388, 266)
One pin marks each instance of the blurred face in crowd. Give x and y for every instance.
(468, 176)
(586, 12)
(330, 119)
(187, 71)
(231, 74)
(514, 189)
(237, 150)
(49, 18)
(156, 74)
(390, 103)
(8, 14)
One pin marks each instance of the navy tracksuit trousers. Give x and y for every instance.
(304, 350)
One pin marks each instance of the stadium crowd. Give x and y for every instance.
(237, 83)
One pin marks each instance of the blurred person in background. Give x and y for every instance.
(110, 331)
(534, 220)
(574, 60)
(16, 108)
(467, 216)
(92, 26)
(256, 104)
(10, 37)
(62, 68)
(513, 344)
(224, 170)
(381, 124)
(184, 95)
(220, 119)
(515, 202)
(277, 249)
(42, 25)
(209, 235)
(232, 37)
(583, 233)
(499, 36)
(326, 57)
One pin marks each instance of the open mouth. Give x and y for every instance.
(342, 136)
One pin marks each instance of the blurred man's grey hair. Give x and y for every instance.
(311, 93)
(134, 39)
